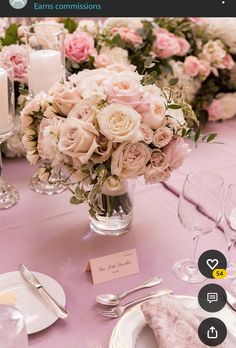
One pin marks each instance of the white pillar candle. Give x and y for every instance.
(45, 69)
(4, 108)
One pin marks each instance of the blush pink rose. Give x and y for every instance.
(205, 69)
(101, 60)
(162, 137)
(128, 35)
(16, 56)
(155, 110)
(65, 96)
(192, 66)
(79, 46)
(130, 159)
(184, 46)
(177, 151)
(77, 140)
(123, 88)
(228, 62)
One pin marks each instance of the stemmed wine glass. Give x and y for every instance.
(200, 210)
(230, 230)
(8, 195)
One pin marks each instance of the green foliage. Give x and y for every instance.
(11, 36)
(70, 24)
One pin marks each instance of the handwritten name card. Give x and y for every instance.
(114, 266)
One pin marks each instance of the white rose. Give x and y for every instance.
(176, 114)
(119, 123)
(117, 55)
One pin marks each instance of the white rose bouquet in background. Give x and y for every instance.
(103, 127)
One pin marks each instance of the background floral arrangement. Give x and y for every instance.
(198, 55)
(104, 126)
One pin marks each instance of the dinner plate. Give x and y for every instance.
(37, 312)
(132, 331)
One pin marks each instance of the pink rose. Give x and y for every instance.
(130, 159)
(184, 46)
(65, 96)
(167, 44)
(128, 35)
(192, 66)
(77, 140)
(155, 176)
(83, 110)
(103, 151)
(177, 151)
(162, 137)
(123, 88)
(155, 110)
(101, 61)
(214, 110)
(228, 62)
(158, 170)
(16, 56)
(205, 69)
(147, 133)
(79, 46)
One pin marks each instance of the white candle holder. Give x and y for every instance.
(46, 59)
(8, 195)
(46, 66)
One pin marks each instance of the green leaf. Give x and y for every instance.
(197, 134)
(174, 106)
(70, 24)
(173, 81)
(211, 137)
(11, 35)
(74, 200)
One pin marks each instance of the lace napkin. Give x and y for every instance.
(173, 324)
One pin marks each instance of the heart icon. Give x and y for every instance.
(212, 263)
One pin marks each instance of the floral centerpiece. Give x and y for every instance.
(103, 127)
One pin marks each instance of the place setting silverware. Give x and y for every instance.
(30, 279)
(114, 300)
(117, 311)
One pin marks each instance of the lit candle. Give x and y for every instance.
(4, 108)
(45, 69)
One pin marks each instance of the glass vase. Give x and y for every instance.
(117, 207)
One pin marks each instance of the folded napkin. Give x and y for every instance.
(173, 324)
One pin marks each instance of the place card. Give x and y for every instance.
(113, 266)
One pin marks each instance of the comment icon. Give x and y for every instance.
(212, 297)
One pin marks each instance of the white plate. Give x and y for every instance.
(131, 331)
(38, 314)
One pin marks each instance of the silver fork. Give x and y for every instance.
(117, 311)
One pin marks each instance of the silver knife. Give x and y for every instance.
(30, 278)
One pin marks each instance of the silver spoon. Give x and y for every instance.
(114, 300)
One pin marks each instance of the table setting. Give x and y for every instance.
(124, 185)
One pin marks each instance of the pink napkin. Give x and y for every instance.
(174, 325)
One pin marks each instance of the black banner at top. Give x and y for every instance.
(117, 8)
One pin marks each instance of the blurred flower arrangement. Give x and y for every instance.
(105, 126)
(197, 55)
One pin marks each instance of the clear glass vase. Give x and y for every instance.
(117, 206)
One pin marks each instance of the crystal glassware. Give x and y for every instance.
(46, 67)
(200, 211)
(230, 230)
(12, 328)
(8, 195)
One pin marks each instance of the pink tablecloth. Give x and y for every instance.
(51, 236)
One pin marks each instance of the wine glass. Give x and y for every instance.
(200, 211)
(230, 229)
(12, 328)
(8, 195)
